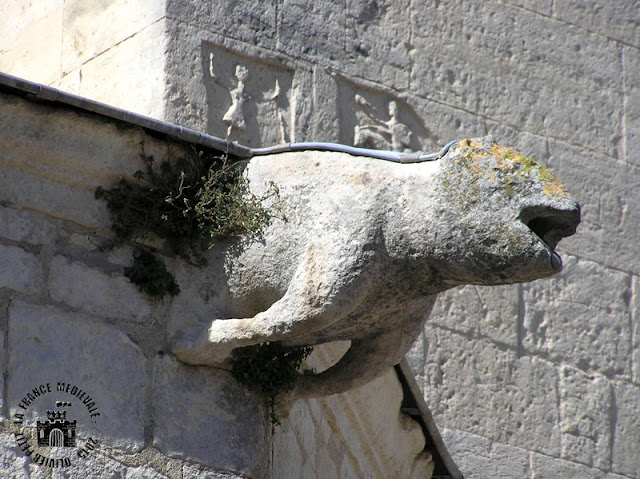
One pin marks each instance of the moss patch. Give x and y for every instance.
(150, 274)
(268, 369)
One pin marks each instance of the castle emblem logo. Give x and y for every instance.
(56, 431)
(56, 424)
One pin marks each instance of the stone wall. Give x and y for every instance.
(537, 380)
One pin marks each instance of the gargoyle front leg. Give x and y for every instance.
(365, 360)
(320, 293)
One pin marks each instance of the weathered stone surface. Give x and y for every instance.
(315, 41)
(545, 467)
(204, 415)
(481, 311)
(627, 430)
(608, 232)
(544, 7)
(13, 462)
(136, 64)
(324, 276)
(20, 225)
(85, 36)
(585, 418)
(471, 452)
(377, 42)
(445, 123)
(467, 380)
(84, 352)
(96, 292)
(32, 40)
(635, 318)
(617, 20)
(478, 458)
(19, 270)
(96, 466)
(581, 315)
(253, 23)
(631, 129)
(507, 66)
(325, 125)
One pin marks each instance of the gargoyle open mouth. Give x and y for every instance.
(550, 225)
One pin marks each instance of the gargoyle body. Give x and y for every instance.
(361, 247)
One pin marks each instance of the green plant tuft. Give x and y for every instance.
(150, 275)
(192, 201)
(269, 369)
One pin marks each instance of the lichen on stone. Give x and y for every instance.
(502, 167)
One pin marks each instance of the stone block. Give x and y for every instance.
(32, 39)
(631, 98)
(581, 316)
(85, 36)
(202, 414)
(377, 42)
(48, 345)
(254, 23)
(27, 190)
(626, 459)
(585, 418)
(618, 20)
(609, 227)
(136, 64)
(470, 452)
(19, 270)
(445, 123)
(468, 380)
(323, 37)
(545, 467)
(96, 292)
(478, 458)
(489, 312)
(507, 66)
(21, 225)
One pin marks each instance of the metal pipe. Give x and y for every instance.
(394, 156)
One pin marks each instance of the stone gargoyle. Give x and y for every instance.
(362, 247)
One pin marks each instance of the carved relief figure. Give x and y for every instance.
(371, 132)
(234, 117)
(363, 248)
(283, 127)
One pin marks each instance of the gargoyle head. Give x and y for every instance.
(507, 213)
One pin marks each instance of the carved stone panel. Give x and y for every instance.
(377, 120)
(250, 101)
